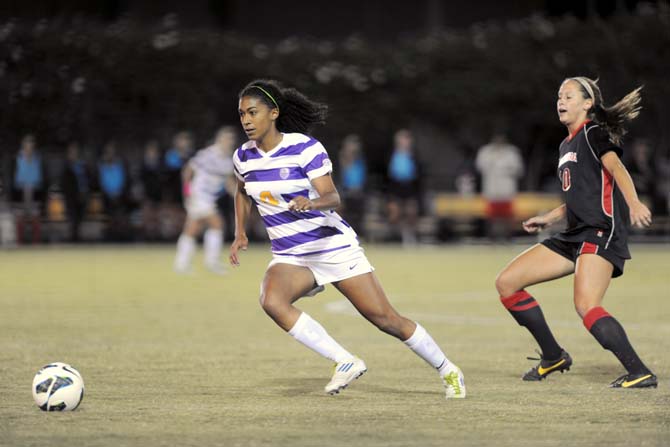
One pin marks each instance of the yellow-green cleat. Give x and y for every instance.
(454, 383)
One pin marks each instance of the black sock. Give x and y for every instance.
(527, 312)
(611, 336)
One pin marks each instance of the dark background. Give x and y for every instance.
(453, 72)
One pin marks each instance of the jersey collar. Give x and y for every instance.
(581, 126)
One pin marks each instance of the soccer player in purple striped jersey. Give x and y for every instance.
(600, 205)
(287, 174)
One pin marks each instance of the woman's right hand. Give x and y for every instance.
(240, 243)
(535, 224)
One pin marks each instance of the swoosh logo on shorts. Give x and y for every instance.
(351, 267)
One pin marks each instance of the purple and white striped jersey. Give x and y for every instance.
(273, 178)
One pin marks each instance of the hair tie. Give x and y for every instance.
(267, 94)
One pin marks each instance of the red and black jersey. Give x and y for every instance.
(593, 201)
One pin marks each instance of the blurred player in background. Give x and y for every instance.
(205, 178)
(287, 174)
(600, 205)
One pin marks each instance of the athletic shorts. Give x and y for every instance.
(199, 209)
(572, 250)
(330, 267)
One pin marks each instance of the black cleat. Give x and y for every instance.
(546, 367)
(644, 380)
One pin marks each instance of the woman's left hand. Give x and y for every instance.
(300, 204)
(640, 216)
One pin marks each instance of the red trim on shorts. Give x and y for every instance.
(510, 301)
(588, 248)
(594, 315)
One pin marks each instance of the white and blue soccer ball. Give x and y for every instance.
(58, 387)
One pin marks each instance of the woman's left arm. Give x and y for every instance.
(640, 216)
(328, 199)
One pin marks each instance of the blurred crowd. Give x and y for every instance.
(110, 194)
(90, 112)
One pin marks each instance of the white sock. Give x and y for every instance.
(425, 347)
(311, 334)
(213, 240)
(185, 250)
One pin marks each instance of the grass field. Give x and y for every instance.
(193, 361)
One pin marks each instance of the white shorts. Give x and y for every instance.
(199, 209)
(330, 267)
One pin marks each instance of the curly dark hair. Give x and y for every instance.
(297, 113)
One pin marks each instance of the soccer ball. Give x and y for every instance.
(58, 387)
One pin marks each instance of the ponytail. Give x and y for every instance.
(297, 113)
(614, 118)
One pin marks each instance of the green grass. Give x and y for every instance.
(193, 361)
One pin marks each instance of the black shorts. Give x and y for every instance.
(572, 250)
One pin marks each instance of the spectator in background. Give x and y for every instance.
(353, 175)
(75, 184)
(113, 179)
(175, 160)
(500, 166)
(404, 186)
(28, 182)
(151, 176)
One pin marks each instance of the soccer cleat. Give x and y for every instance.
(546, 367)
(344, 374)
(645, 380)
(454, 383)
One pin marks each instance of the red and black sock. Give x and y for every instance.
(527, 312)
(611, 336)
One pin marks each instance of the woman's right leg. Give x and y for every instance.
(536, 265)
(283, 285)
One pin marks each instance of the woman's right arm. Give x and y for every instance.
(242, 210)
(537, 223)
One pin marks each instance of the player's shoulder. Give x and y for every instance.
(299, 138)
(595, 132)
(599, 139)
(299, 144)
(246, 151)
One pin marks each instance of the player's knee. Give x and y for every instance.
(583, 307)
(505, 284)
(271, 303)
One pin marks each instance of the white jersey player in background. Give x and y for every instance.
(205, 178)
(287, 175)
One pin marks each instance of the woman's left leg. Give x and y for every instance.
(592, 277)
(366, 294)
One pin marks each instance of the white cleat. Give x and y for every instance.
(454, 384)
(345, 373)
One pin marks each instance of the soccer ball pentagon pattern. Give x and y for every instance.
(58, 387)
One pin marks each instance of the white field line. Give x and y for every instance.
(344, 307)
